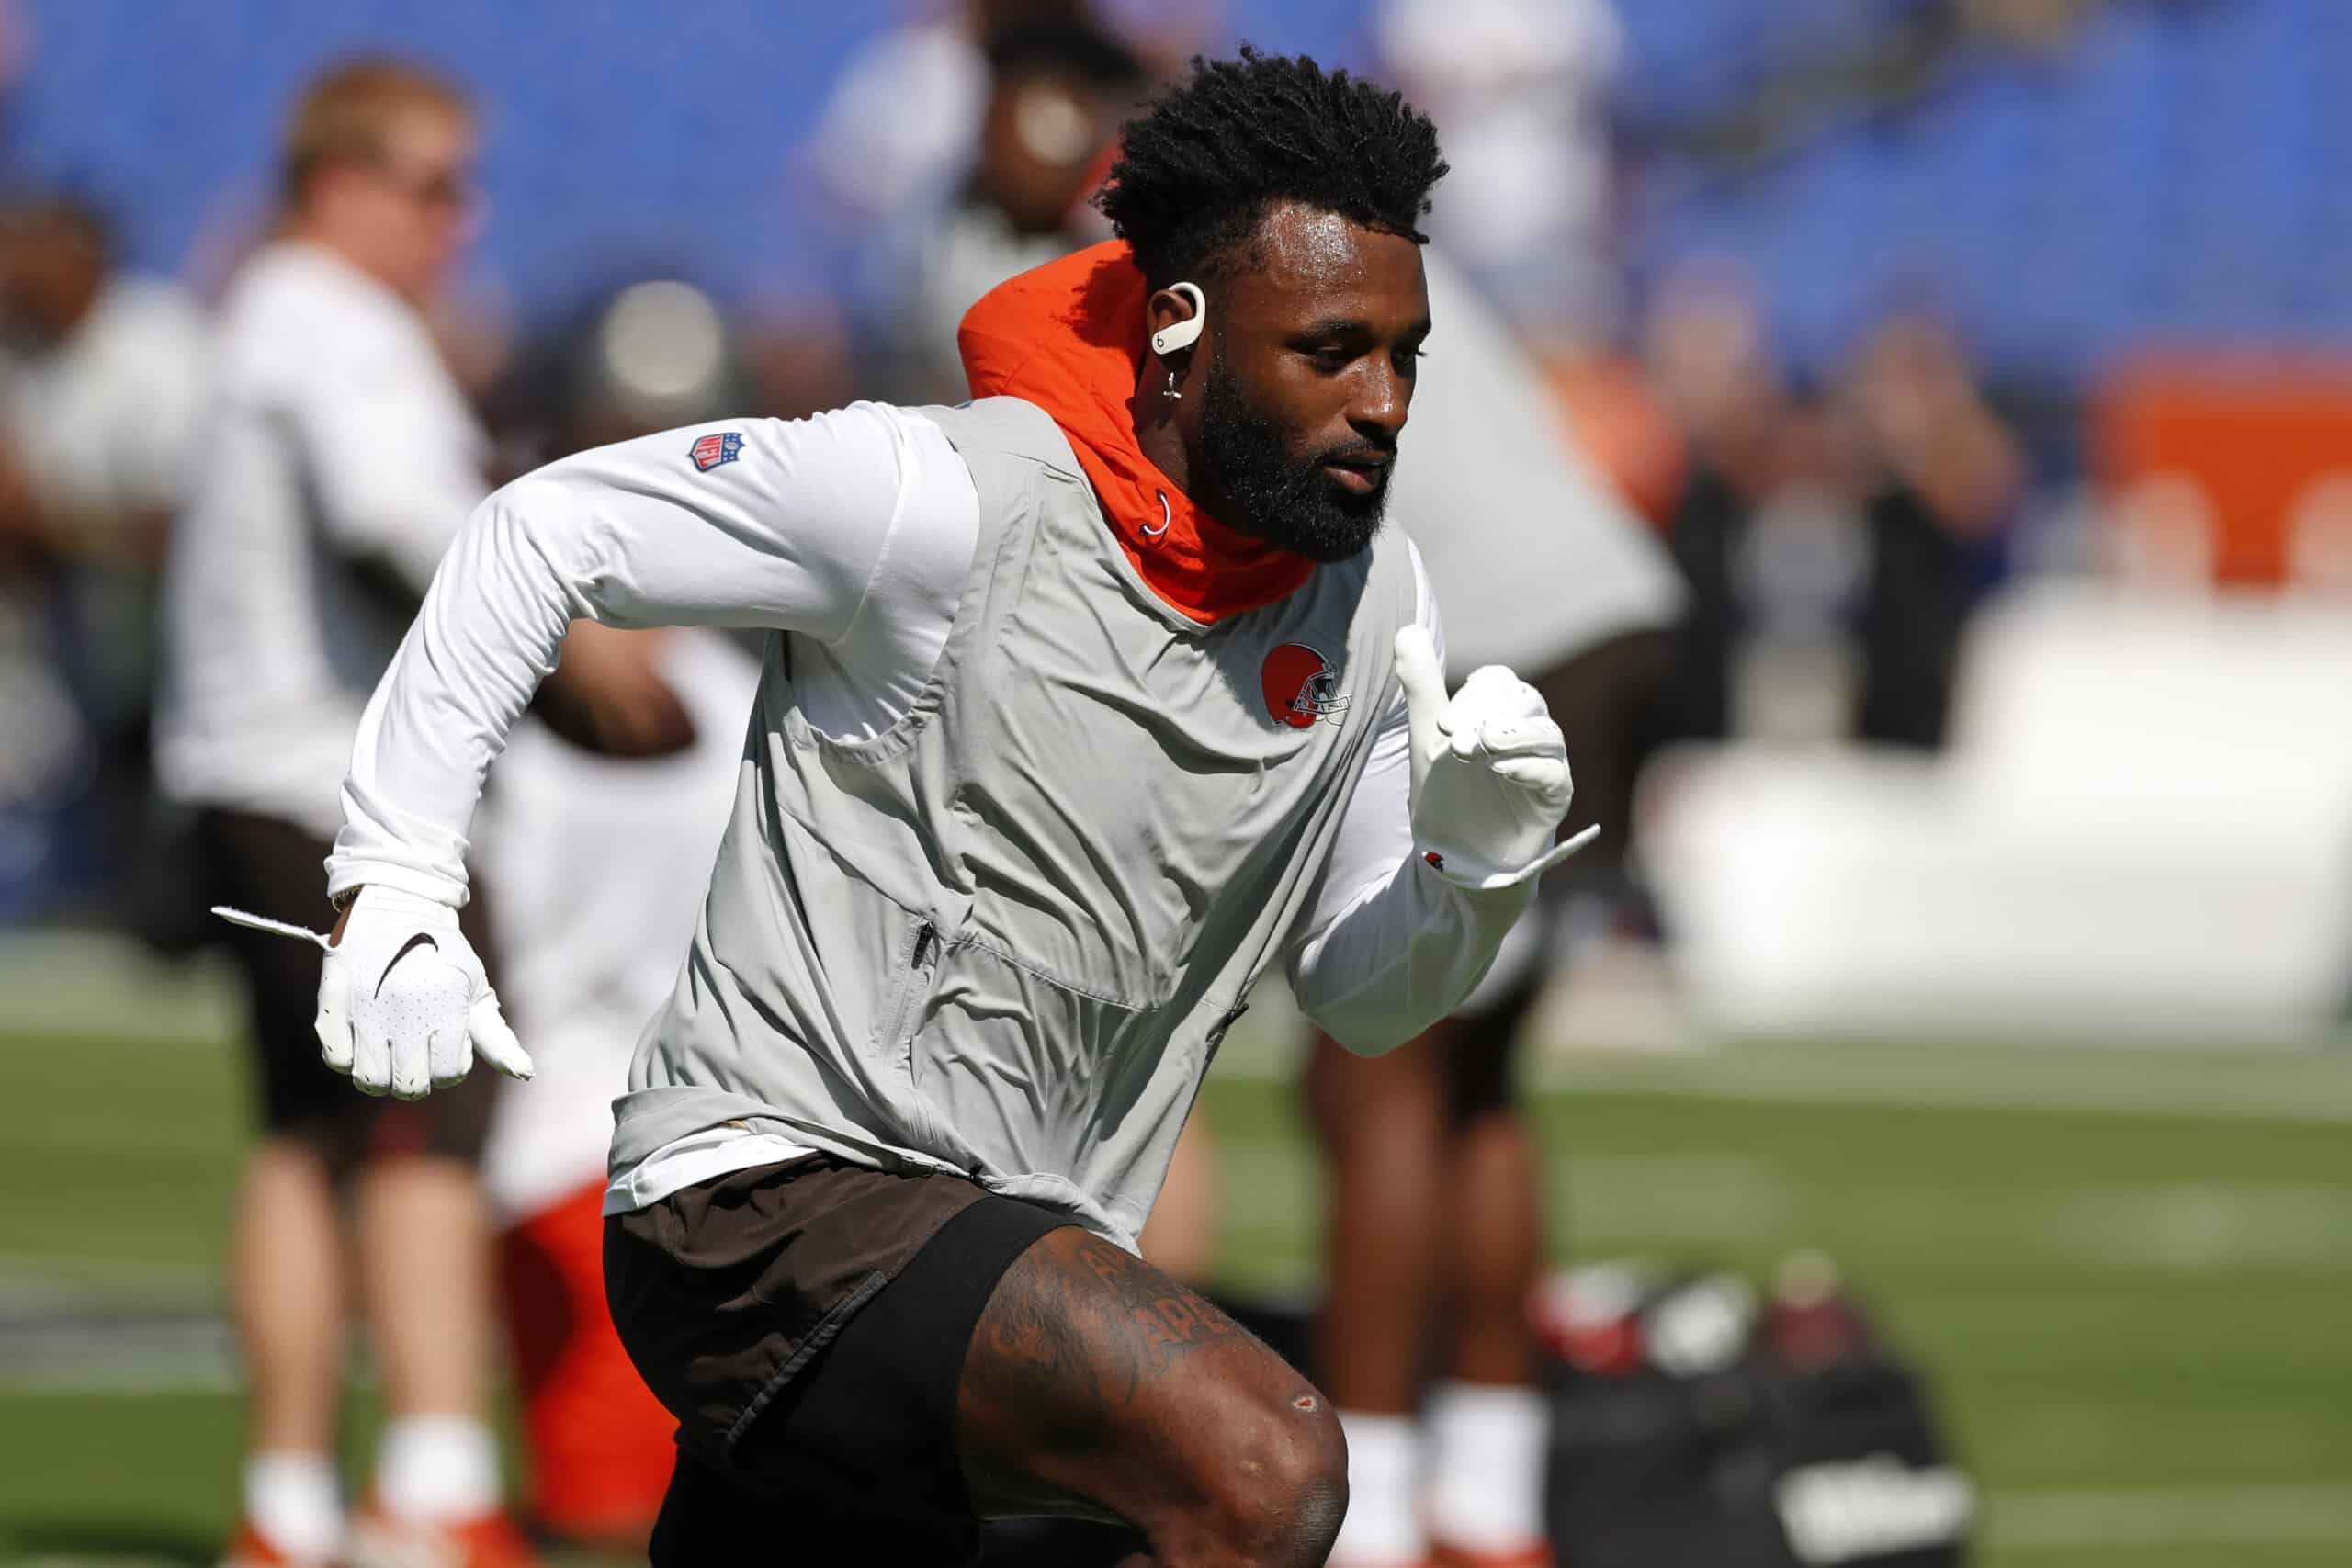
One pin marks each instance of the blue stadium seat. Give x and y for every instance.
(646, 131)
(2186, 171)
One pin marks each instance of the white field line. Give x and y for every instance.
(111, 1326)
(2263, 1087)
(99, 985)
(1575, 1048)
(1275, 1189)
(2124, 1083)
(122, 1275)
(120, 1361)
(2058, 1521)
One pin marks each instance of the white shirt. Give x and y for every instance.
(855, 537)
(337, 445)
(105, 424)
(600, 866)
(901, 121)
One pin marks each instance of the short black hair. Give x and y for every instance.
(1198, 169)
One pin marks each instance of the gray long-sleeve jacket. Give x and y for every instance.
(1003, 932)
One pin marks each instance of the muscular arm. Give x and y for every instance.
(1390, 947)
(789, 533)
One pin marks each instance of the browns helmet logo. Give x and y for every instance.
(1301, 687)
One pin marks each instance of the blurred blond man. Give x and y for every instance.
(339, 457)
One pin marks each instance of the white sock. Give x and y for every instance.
(1382, 1528)
(1486, 1447)
(433, 1468)
(292, 1498)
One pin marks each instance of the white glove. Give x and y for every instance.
(403, 1004)
(1490, 773)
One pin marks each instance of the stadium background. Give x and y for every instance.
(2120, 1242)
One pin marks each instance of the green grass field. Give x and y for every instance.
(2142, 1322)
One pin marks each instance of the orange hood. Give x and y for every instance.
(1069, 337)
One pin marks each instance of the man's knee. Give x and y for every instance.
(1281, 1487)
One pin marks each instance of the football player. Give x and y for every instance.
(1022, 813)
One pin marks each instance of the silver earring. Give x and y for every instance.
(1173, 395)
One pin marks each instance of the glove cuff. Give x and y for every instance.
(1472, 876)
(348, 877)
(401, 901)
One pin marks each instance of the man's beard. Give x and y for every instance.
(1263, 489)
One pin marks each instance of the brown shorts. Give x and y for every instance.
(274, 868)
(806, 1323)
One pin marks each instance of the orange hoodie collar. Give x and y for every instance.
(1069, 337)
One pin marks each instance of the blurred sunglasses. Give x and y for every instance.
(453, 188)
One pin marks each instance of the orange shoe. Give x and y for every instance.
(1533, 1555)
(487, 1540)
(248, 1548)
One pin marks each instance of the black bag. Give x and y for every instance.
(1834, 1462)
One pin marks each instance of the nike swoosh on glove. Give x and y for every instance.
(1491, 771)
(403, 1004)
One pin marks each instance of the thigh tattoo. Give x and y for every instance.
(1099, 1319)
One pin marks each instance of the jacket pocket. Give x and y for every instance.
(903, 1020)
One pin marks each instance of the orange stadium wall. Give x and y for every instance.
(2264, 442)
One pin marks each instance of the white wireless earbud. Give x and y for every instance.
(1169, 339)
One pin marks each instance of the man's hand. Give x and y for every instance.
(1491, 771)
(403, 1004)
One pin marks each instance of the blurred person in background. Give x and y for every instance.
(1834, 541)
(899, 126)
(1058, 88)
(338, 458)
(1942, 476)
(1521, 89)
(1435, 1234)
(340, 454)
(899, 134)
(102, 380)
(902, 129)
(1711, 365)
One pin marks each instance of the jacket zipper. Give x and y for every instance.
(897, 1037)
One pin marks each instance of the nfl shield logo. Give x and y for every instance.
(710, 451)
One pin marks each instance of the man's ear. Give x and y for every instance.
(1174, 326)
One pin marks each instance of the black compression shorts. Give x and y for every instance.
(807, 1324)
